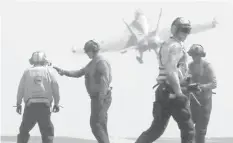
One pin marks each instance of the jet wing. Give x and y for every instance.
(137, 30)
(115, 44)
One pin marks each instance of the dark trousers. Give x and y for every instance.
(99, 117)
(36, 113)
(163, 109)
(201, 116)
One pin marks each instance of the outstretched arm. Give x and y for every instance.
(203, 27)
(76, 73)
(165, 33)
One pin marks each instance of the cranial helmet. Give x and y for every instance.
(180, 25)
(91, 45)
(38, 58)
(196, 49)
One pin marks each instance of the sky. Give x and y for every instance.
(27, 26)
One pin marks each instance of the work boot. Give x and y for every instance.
(22, 138)
(47, 139)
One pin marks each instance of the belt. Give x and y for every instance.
(160, 82)
(97, 93)
(38, 100)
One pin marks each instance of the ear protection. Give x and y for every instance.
(91, 45)
(38, 57)
(196, 49)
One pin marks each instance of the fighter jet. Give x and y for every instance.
(137, 38)
(143, 37)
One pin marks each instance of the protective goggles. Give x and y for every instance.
(186, 30)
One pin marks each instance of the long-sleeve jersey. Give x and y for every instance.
(97, 74)
(38, 84)
(204, 74)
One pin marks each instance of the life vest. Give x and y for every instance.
(162, 71)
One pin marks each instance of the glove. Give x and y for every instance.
(19, 109)
(214, 22)
(59, 70)
(194, 87)
(186, 80)
(184, 89)
(203, 87)
(56, 108)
